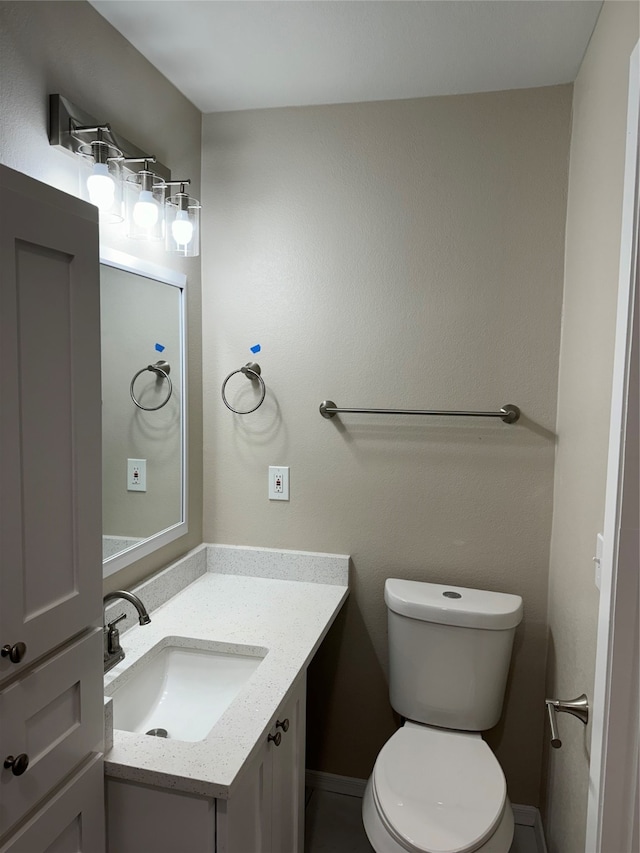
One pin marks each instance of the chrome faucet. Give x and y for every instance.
(113, 651)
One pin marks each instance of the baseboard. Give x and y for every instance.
(523, 815)
(530, 816)
(335, 784)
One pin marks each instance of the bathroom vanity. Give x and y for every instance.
(240, 786)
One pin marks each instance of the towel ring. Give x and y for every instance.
(252, 371)
(161, 369)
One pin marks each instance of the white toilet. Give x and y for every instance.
(436, 787)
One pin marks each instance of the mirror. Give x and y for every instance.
(143, 408)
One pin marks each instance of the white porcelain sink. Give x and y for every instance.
(183, 691)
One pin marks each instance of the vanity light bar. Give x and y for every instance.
(123, 178)
(65, 121)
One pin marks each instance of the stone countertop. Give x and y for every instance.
(287, 618)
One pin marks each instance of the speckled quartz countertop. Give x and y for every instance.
(218, 606)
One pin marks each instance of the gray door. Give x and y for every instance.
(50, 439)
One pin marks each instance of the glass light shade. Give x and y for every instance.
(101, 187)
(144, 207)
(146, 210)
(182, 228)
(182, 217)
(101, 184)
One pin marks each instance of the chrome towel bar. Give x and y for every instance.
(509, 413)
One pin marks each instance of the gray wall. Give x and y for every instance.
(407, 254)
(584, 400)
(67, 48)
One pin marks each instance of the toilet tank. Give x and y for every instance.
(449, 652)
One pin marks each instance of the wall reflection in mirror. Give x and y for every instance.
(143, 408)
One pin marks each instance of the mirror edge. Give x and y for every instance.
(139, 266)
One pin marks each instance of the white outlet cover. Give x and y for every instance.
(278, 483)
(136, 475)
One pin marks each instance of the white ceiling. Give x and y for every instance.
(246, 54)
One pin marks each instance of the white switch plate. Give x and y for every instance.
(136, 475)
(598, 558)
(278, 483)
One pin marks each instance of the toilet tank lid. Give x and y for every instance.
(453, 605)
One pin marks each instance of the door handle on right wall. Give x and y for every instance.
(578, 707)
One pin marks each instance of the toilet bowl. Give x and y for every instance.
(436, 786)
(437, 791)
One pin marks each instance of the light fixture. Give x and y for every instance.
(101, 176)
(144, 202)
(113, 167)
(182, 222)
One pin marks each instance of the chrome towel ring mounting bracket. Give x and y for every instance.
(162, 370)
(252, 371)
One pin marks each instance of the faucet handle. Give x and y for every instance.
(119, 618)
(112, 637)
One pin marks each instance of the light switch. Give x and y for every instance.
(598, 558)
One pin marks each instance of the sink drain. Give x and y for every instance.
(158, 733)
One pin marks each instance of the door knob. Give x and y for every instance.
(276, 738)
(15, 653)
(283, 724)
(18, 764)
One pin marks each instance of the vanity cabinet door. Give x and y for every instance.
(71, 822)
(243, 822)
(287, 789)
(265, 811)
(50, 421)
(145, 819)
(53, 715)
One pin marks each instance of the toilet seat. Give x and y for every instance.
(438, 791)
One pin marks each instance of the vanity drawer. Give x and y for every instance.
(53, 715)
(70, 822)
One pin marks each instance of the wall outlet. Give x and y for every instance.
(136, 475)
(278, 483)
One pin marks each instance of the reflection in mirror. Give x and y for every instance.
(143, 408)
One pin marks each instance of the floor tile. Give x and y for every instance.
(333, 824)
(524, 840)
